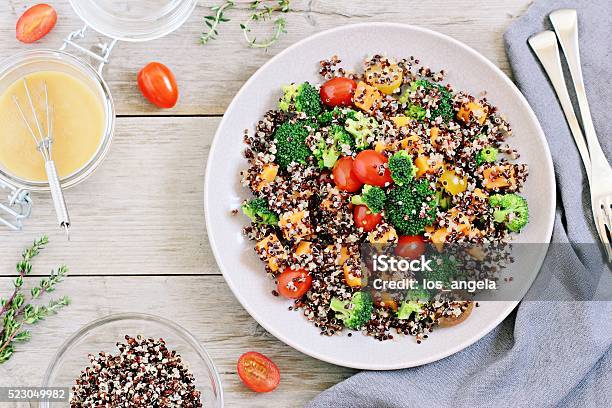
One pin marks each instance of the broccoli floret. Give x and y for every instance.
(304, 98)
(288, 98)
(291, 143)
(257, 210)
(416, 112)
(328, 154)
(372, 197)
(361, 127)
(444, 268)
(413, 302)
(401, 167)
(342, 137)
(411, 207)
(445, 104)
(486, 155)
(418, 293)
(444, 201)
(444, 101)
(341, 115)
(510, 210)
(406, 308)
(356, 312)
(414, 85)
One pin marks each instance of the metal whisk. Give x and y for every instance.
(44, 144)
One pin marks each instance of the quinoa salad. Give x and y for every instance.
(389, 155)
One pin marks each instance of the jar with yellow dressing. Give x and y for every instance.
(83, 118)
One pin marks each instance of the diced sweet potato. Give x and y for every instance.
(434, 132)
(294, 224)
(476, 253)
(303, 248)
(271, 251)
(268, 174)
(352, 275)
(497, 177)
(425, 165)
(400, 121)
(475, 110)
(437, 237)
(367, 97)
(384, 236)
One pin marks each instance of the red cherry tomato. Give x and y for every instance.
(293, 284)
(35, 23)
(338, 92)
(368, 166)
(158, 85)
(345, 177)
(365, 218)
(258, 372)
(410, 246)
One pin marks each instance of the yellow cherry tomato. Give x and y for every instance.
(452, 182)
(387, 79)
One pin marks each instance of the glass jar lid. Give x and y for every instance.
(134, 20)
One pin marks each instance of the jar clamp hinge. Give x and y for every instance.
(18, 207)
(105, 48)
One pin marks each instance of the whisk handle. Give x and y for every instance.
(57, 195)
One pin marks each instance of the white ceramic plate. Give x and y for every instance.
(244, 273)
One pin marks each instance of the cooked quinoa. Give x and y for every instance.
(305, 220)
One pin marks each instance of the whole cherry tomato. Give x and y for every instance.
(258, 372)
(35, 23)
(410, 246)
(344, 175)
(370, 167)
(338, 92)
(366, 219)
(158, 85)
(293, 284)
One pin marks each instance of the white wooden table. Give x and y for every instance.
(139, 240)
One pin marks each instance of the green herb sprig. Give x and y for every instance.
(16, 313)
(261, 10)
(213, 21)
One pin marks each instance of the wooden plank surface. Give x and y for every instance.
(139, 241)
(210, 75)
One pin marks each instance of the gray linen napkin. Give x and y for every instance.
(546, 353)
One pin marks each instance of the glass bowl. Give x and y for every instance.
(103, 334)
(22, 64)
(135, 20)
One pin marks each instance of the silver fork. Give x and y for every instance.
(565, 23)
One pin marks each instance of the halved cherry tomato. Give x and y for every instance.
(293, 284)
(258, 372)
(344, 175)
(35, 23)
(158, 85)
(366, 219)
(370, 168)
(410, 246)
(338, 92)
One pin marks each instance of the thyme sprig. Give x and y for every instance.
(213, 21)
(263, 14)
(261, 11)
(16, 313)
